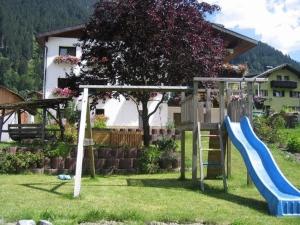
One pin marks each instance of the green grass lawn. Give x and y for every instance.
(141, 198)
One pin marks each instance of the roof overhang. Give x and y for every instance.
(283, 66)
(235, 43)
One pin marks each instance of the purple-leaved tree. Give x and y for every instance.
(150, 42)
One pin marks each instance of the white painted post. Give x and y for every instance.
(81, 136)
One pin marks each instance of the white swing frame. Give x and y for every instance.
(82, 126)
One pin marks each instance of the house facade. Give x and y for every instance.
(282, 90)
(61, 50)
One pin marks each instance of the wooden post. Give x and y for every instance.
(228, 164)
(44, 123)
(19, 117)
(208, 106)
(91, 158)
(81, 135)
(2, 121)
(195, 116)
(250, 116)
(61, 126)
(222, 102)
(182, 162)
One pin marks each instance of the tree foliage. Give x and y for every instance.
(151, 42)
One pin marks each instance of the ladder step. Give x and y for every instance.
(212, 149)
(209, 135)
(211, 164)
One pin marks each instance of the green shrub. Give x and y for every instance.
(15, 163)
(149, 160)
(293, 145)
(100, 121)
(166, 145)
(71, 134)
(71, 113)
(267, 128)
(58, 149)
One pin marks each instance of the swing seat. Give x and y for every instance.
(18, 132)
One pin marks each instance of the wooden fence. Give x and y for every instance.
(117, 138)
(237, 109)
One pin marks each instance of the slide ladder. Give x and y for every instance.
(211, 164)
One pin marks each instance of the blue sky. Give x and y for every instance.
(275, 22)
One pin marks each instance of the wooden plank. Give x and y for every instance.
(182, 161)
(228, 157)
(2, 122)
(25, 125)
(195, 118)
(250, 116)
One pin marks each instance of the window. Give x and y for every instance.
(264, 93)
(99, 111)
(294, 94)
(278, 93)
(63, 51)
(279, 77)
(286, 78)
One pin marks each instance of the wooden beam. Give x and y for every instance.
(250, 116)
(81, 136)
(195, 116)
(2, 122)
(182, 162)
(61, 126)
(44, 123)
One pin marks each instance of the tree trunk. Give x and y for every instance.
(146, 127)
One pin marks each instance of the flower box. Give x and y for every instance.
(66, 59)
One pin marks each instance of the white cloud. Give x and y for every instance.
(277, 22)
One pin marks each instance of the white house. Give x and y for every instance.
(122, 112)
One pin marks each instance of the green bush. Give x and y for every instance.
(71, 134)
(166, 145)
(58, 149)
(100, 121)
(267, 128)
(15, 163)
(149, 160)
(294, 145)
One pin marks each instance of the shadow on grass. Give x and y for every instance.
(210, 191)
(53, 190)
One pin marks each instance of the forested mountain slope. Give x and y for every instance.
(264, 55)
(20, 20)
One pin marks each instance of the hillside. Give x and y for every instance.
(20, 20)
(262, 56)
(21, 63)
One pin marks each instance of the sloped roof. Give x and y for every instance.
(283, 66)
(233, 40)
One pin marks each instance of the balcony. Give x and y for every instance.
(72, 82)
(283, 84)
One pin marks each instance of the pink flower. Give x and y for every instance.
(59, 92)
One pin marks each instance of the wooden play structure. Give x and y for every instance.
(24, 130)
(197, 115)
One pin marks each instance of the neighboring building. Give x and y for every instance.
(7, 96)
(120, 113)
(282, 91)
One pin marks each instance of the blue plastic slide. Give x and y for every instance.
(282, 197)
